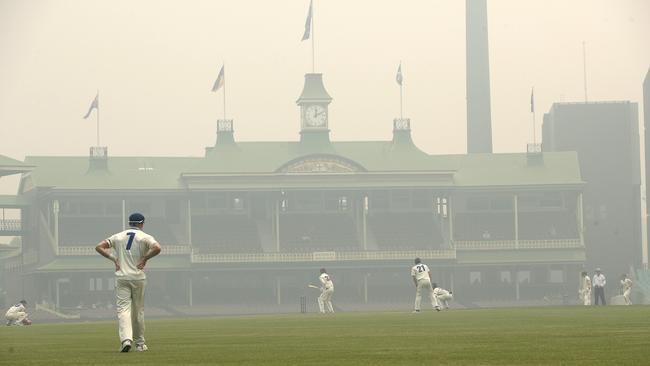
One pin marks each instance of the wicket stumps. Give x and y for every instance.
(303, 304)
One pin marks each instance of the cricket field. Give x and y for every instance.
(571, 335)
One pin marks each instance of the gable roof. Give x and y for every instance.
(9, 166)
(268, 158)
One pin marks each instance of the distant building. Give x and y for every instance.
(250, 223)
(606, 138)
(646, 125)
(477, 78)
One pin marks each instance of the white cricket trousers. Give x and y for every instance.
(17, 317)
(130, 309)
(325, 301)
(586, 297)
(424, 284)
(626, 296)
(443, 300)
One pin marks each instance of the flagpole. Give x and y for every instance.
(532, 101)
(224, 90)
(97, 117)
(401, 116)
(584, 68)
(313, 62)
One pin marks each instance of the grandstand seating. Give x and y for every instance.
(407, 231)
(318, 232)
(484, 226)
(81, 231)
(225, 234)
(548, 225)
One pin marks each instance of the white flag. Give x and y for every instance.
(221, 79)
(307, 33)
(532, 100)
(399, 76)
(93, 105)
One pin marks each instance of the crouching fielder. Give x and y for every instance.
(584, 292)
(441, 296)
(16, 314)
(327, 290)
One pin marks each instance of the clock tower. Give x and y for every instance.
(314, 101)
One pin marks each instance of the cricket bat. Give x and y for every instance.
(313, 286)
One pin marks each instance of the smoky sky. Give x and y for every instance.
(154, 63)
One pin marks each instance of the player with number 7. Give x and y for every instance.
(130, 250)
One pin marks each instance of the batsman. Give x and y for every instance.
(327, 290)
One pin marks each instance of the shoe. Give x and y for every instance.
(415, 312)
(141, 347)
(126, 346)
(437, 308)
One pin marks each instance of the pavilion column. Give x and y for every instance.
(581, 222)
(190, 294)
(277, 226)
(450, 214)
(55, 208)
(123, 214)
(516, 284)
(364, 218)
(189, 222)
(516, 210)
(365, 287)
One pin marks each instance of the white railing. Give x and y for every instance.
(86, 250)
(321, 256)
(522, 244)
(10, 225)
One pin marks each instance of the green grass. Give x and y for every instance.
(513, 336)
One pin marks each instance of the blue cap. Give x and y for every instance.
(136, 218)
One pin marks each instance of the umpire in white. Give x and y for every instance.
(130, 250)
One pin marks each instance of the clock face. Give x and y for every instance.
(315, 116)
(224, 125)
(401, 124)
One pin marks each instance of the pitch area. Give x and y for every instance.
(512, 336)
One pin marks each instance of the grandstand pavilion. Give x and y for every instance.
(250, 223)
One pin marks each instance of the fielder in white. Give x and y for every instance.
(584, 291)
(626, 283)
(131, 249)
(17, 314)
(441, 296)
(422, 280)
(327, 290)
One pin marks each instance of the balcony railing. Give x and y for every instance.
(85, 250)
(321, 256)
(10, 225)
(522, 244)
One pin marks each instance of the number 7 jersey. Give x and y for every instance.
(129, 246)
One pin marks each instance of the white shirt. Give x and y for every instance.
(627, 284)
(440, 292)
(599, 280)
(18, 308)
(420, 271)
(326, 281)
(129, 246)
(586, 283)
